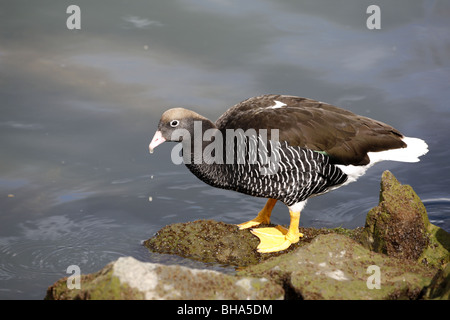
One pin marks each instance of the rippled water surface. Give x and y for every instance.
(79, 107)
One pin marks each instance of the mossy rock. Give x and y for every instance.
(437, 253)
(207, 241)
(334, 266)
(399, 226)
(210, 241)
(439, 289)
(101, 285)
(128, 278)
(325, 264)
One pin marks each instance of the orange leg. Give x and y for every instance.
(263, 216)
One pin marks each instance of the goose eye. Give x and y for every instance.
(174, 123)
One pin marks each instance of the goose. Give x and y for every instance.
(283, 148)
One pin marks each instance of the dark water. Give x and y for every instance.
(79, 107)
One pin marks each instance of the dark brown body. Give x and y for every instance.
(343, 135)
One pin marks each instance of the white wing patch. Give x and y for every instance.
(278, 104)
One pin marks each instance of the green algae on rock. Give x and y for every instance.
(210, 241)
(207, 241)
(101, 285)
(439, 288)
(128, 278)
(333, 266)
(399, 226)
(324, 264)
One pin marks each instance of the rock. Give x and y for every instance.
(207, 241)
(440, 285)
(399, 226)
(398, 246)
(217, 242)
(128, 278)
(437, 253)
(101, 285)
(334, 266)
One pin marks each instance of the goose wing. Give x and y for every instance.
(343, 135)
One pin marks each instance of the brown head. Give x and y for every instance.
(174, 119)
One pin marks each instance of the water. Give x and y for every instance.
(79, 107)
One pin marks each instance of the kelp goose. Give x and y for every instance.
(290, 149)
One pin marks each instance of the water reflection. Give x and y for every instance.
(79, 109)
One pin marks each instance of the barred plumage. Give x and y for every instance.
(301, 173)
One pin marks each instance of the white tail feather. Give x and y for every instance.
(415, 148)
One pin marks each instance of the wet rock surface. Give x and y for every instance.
(399, 254)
